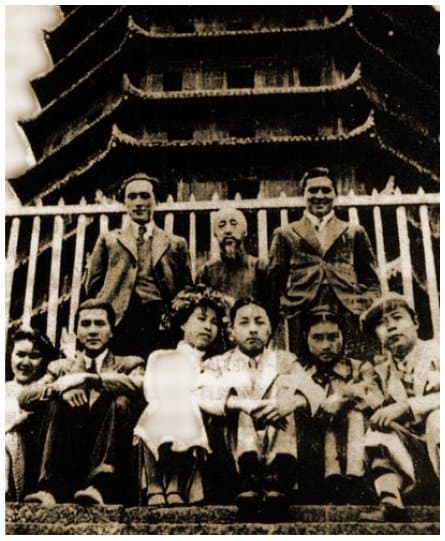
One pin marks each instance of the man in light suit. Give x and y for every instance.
(404, 436)
(320, 260)
(90, 404)
(138, 269)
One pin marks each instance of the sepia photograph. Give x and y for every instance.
(222, 241)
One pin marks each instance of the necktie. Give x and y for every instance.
(140, 241)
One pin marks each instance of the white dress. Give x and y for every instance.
(172, 384)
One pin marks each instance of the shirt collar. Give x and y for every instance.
(320, 223)
(149, 229)
(98, 360)
(254, 362)
(187, 348)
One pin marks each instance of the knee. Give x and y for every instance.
(122, 403)
(432, 426)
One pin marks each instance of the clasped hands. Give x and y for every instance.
(72, 388)
(268, 411)
(384, 416)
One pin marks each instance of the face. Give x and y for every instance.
(93, 331)
(26, 361)
(319, 196)
(397, 331)
(251, 329)
(140, 200)
(325, 341)
(201, 328)
(229, 229)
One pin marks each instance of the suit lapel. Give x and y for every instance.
(108, 362)
(160, 244)
(127, 239)
(304, 229)
(333, 229)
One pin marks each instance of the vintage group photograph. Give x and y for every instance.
(222, 239)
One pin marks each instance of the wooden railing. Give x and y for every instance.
(48, 247)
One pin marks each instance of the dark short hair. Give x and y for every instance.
(138, 176)
(40, 341)
(245, 301)
(313, 319)
(93, 304)
(315, 172)
(370, 318)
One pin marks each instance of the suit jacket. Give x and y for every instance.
(120, 375)
(423, 360)
(298, 266)
(245, 280)
(113, 265)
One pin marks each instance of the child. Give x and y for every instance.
(31, 353)
(352, 393)
(258, 391)
(171, 428)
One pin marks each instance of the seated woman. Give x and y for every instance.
(334, 444)
(31, 353)
(171, 427)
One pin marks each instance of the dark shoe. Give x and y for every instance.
(248, 501)
(276, 501)
(89, 496)
(385, 513)
(42, 497)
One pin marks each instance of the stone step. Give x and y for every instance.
(205, 528)
(71, 514)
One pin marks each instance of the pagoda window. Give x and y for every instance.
(310, 71)
(179, 133)
(184, 26)
(172, 81)
(239, 24)
(213, 79)
(240, 78)
(242, 130)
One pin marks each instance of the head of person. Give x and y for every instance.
(319, 191)
(323, 335)
(94, 326)
(30, 355)
(394, 321)
(230, 230)
(251, 329)
(197, 316)
(138, 194)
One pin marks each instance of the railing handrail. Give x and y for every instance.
(280, 202)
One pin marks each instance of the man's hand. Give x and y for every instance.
(333, 404)
(70, 381)
(382, 417)
(75, 397)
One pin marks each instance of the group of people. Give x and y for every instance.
(259, 384)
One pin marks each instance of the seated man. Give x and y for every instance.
(91, 404)
(259, 391)
(405, 430)
(333, 444)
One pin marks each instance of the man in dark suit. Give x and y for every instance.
(138, 269)
(320, 259)
(90, 404)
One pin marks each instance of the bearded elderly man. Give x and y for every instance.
(320, 260)
(233, 271)
(90, 404)
(138, 269)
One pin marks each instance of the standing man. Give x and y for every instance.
(233, 272)
(320, 260)
(403, 442)
(138, 269)
(90, 405)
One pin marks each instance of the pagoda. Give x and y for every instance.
(235, 99)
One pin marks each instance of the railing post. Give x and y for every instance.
(10, 264)
(430, 270)
(262, 234)
(380, 247)
(192, 243)
(31, 274)
(54, 279)
(77, 270)
(405, 255)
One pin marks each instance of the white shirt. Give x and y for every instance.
(148, 229)
(99, 360)
(319, 223)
